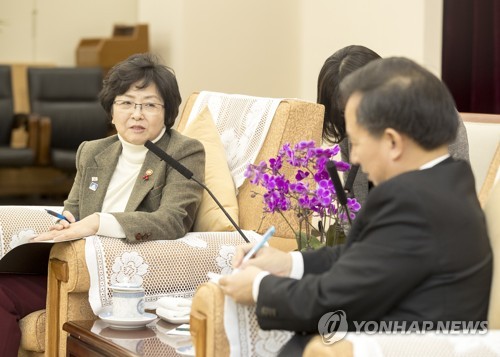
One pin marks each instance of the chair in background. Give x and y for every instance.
(18, 140)
(66, 102)
(69, 281)
(106, 52)
(14, 156)
(293, 121)
(492, 177)
(483, 133)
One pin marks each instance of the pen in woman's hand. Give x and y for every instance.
(58, 215)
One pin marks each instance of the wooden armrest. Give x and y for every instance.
(44, 140)
(25, 132)
(72, 254)
(68, 277)
(33, 135)
(58, 273)
(198, 329)
(207, 321)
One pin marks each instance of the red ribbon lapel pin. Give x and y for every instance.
(147, 175)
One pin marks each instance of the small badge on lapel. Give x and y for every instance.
(95, 179)
(148, 173)
(93, 186)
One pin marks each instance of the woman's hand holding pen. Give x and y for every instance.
(63, 230)
(64, 223)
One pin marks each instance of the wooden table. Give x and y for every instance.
(96, 338)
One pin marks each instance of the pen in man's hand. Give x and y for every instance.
(58, 215)
(269, 233)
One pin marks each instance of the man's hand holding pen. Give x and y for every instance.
(239, 284)
(273, 260)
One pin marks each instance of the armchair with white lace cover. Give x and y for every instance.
(108, 260)
(175, 268)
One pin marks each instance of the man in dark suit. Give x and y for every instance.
(418, 252)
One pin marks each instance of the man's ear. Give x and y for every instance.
(395, 142)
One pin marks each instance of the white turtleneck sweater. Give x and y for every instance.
(121, 185)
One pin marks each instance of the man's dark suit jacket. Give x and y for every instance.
(418, 251)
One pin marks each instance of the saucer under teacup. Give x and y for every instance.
(127, 323)
(127, 334)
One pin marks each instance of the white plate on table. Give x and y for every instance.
(127, 323)
(171, 319)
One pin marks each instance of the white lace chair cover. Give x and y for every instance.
(163, 268)
(242, 121)
(244, 335)
(18, 224)
(427, 344)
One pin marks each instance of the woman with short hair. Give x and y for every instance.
(121, 189)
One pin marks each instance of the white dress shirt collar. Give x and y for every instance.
(434, 162)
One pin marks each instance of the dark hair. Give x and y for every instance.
(398, 93)
(146, 69)
(335, 68)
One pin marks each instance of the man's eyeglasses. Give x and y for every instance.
(128, 106)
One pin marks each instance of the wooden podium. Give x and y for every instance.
(106, 52)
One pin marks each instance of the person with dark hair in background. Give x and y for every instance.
(334, 70)
(120, 190)
(418, 253)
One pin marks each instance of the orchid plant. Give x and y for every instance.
(310, 193)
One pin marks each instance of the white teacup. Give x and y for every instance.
(128, 301)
